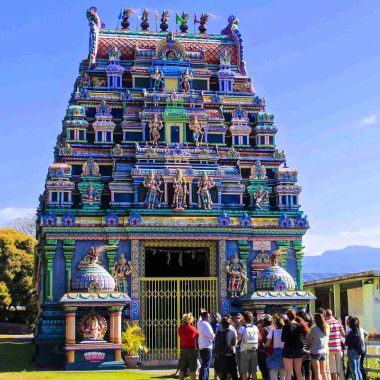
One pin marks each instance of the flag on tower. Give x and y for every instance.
(178, 19)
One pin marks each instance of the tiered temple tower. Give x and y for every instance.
(166, 164)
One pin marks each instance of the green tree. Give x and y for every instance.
(16, 271)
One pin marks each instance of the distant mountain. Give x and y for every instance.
(348, 260)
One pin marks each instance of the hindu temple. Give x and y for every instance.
(167, 194)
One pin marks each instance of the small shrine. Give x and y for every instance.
(93, 313)
(275, 290)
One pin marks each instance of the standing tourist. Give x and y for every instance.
(264, 325)
(248, 348)
(188, 335)
(224, 351)
(306, 357)
(215, 323)
(318, 338)
(275, 361)
(355, 348)
(293, 346)
(205, 340)
(335, 355)
(364, 335)
(239, 327)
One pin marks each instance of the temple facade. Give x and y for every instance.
(167, 167)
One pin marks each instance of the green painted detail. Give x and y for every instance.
(297, 243)
(175, 113)
(282, 243)
(243, 249)
(68, 242)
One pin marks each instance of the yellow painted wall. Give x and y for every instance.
(355, 302)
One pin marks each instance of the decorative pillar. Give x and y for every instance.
(68, 253)
(244, 254)
(49, 250)
(115, 328)
(223, 286)
(70, 313)
(336, 300)
(283, 245)
(312, 302)
(111, 253)
(135, 288)
(299, 255)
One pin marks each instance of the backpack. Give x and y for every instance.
(250, 339)
(221, 346)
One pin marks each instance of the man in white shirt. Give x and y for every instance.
(205, 339)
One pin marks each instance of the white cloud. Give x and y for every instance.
(367, 120)
(316, 244)
(9, 213)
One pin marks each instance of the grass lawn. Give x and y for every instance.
(15, 363)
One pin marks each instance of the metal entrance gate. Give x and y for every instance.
(164, 301)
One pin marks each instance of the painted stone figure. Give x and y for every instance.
(121, 272)
(187, 77)
(197, 129)
(91, 195)
(180, 191)
(261, 197)
(93, 327)
(153, 197)
(238, 278)
(90, 168)
(204, 196)
(158, 79)
(154, 130)
(258, 171)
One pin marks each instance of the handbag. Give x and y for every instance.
(269, 349)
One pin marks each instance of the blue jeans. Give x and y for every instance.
(205, 354)
(354, 362)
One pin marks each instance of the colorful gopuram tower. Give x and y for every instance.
(167, 167)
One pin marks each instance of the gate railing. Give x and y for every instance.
(164, 301)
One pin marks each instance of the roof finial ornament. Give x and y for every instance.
(164, 21)
(144, 23)
(125, 22)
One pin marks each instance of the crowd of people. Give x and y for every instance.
(290, 346)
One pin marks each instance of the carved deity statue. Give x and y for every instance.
(154, 130)
(197, 129)
(153, 197)
(180, 191)
(158, 79)
(236, 270)
(261, 197)
(258, 171)
(204, 196)
(121, 272)
(90, 168)
(187, 77)
(93, 326)
(91, 194)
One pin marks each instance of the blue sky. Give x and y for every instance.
(316, 63)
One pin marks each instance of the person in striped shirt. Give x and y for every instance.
(335, 346)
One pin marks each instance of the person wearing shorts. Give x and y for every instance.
(318, 338)
(248, 352)
(188, 335)
(293, 346)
